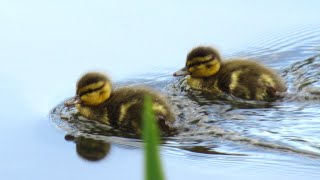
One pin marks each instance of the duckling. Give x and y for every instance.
(121, 108)
(245, 79)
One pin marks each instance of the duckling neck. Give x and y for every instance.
(96, 113)
(208, 83)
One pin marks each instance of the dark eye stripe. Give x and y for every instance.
(91, 90)
(199, 63)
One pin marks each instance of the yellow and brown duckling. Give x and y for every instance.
(245, 79)
(121, 108)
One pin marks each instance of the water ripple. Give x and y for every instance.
(219, 126)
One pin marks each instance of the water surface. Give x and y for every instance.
(46, 46)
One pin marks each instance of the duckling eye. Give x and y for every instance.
(90, 91)
(193, 64)
(87, 92)
(199, 63)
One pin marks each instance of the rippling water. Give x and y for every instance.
(46, 45)
(282, 132)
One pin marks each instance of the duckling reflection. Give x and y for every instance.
(89, 148)
(245, 79)
(208, 150)
(121, 108)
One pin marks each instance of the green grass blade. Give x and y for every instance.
(153, 168)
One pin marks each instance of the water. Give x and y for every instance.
(46, 46)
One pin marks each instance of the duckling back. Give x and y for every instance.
(248, 80)
(125, 107)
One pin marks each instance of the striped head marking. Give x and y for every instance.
(201, 62)
(93, 89)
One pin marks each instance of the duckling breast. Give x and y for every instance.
(96, 113)
(205, 84)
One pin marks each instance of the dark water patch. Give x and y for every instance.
(89, 148)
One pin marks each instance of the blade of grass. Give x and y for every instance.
(153, 168)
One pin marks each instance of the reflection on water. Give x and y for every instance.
(90, 148)
(46, 45)
(226, 126)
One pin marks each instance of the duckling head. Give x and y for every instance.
(202, 61)
(92, 89)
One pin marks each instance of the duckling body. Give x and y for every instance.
(124, 106)
(245, 79)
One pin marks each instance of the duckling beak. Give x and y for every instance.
(72, 101)
(182, 72)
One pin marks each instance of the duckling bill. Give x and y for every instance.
(245, 79)
(121, 108)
